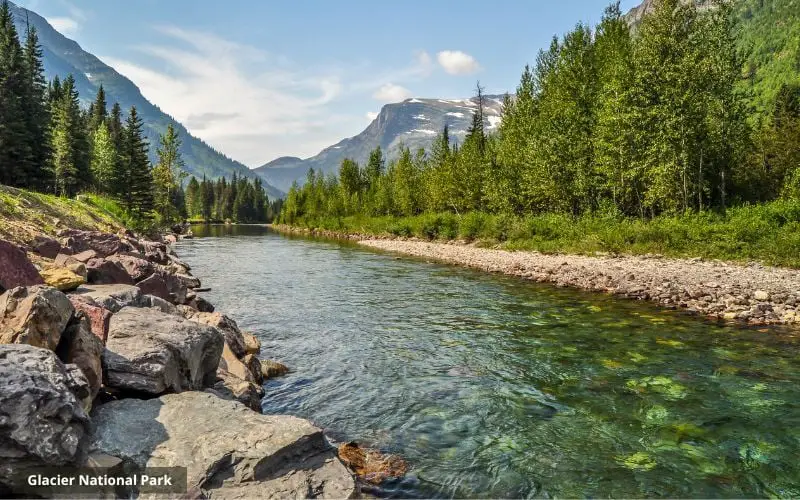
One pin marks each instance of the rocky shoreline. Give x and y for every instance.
(110, 357)
(753, 294)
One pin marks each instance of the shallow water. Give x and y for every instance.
(492, 386)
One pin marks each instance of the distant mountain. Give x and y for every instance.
(413, 122)
(63, 56)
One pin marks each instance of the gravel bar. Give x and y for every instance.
(754, 294)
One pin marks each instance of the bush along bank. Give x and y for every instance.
(109, 355)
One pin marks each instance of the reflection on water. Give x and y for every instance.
(495, 387)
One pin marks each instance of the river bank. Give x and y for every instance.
(753, 294)
(112, 361)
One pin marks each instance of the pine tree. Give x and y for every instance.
(137, 194)
(194, 204)
(37, 113)
(15, 153)
(71, 119)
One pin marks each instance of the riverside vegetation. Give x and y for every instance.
(680, 137)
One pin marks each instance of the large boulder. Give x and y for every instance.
(62, 279)
(225, 324)
(46, 247)
(231, 387)
(34, 315)
(81, 347)
(15, 268)
(99, 317)
(152, 352)
(105, 272)
(137, 268)
(114, 297)
(155, 285)
(229, 451)
(188, 281)
(42, 418)
(104, 244)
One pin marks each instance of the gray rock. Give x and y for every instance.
(161, 304)
(153, 352)
(228, 450)
(104, 244)
(43, 422)
(137, 268)
(188, 280)
(225, 324)
(229, 386)
(156, 286)
(114, 297)
(34, 315)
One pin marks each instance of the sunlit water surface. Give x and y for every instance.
(496, 387)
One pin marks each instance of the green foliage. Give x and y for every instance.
(238, 200)
(167, 177)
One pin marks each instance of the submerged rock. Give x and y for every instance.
(271, 369)
(34, 315)
(43, 422)
(229, 451)
(372, 466)
(153, 352)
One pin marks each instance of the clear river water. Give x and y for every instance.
(491, 386)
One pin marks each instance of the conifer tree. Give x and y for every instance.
(194, 205)
(37, 114)
(15, 153)
(137, 180)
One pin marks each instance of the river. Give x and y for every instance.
(492, 386)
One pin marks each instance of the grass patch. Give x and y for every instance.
(768, 233)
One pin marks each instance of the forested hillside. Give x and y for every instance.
(627, 123)
(62, 57)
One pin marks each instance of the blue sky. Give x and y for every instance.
(260, 79)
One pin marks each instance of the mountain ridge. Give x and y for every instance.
(414, 122)
(63, 56)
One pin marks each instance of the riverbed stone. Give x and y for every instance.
(229, 451)
(34, 315)
(42, 422)
(15, 268)
(152, 352)
(271, 369)
(761, 295)
(81, 347)
(62, 279)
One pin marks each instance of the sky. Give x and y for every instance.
(259, 79)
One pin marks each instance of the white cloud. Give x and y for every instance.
(456, 62)
(220, 90)
(389, 92)
(371, 115)
(65, 25)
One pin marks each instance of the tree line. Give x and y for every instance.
(638, 123)
(49, 143)
(237, 200)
